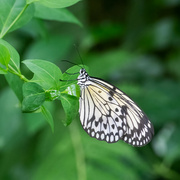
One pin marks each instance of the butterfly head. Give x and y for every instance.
(83, 77)
(82, 71)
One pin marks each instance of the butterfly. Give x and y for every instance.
(108, 114)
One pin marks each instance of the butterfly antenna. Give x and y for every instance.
(71, 63)
(77, 50)
(71, 73)
(67, 80)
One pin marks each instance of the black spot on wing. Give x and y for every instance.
(122, 117)
(96, 123)
(93, 118)
(105, 126)
(111, 93)
(117, 110)
(124, 109)
(100, 120)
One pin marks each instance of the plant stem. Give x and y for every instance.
(13, 71)
(79, 151)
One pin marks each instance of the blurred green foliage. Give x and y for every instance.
(132, 44)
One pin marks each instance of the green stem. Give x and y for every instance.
(4, 31)
(13, 71)
(79, 151)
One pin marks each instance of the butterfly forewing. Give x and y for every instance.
(108, 114)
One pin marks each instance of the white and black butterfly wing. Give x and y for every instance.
(108, 114)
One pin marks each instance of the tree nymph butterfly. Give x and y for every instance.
(108, 114)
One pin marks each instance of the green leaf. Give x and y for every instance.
(75, 69)
(73, 90)
(62, 15)
(15, 60)
(34, 96)
(16, 84)
(4, 59)
(56, 3)
(14, 81)
(14, 14)
(39, 81)
(48, 117)
(70, 105)
(46, 71)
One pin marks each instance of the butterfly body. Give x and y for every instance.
(108, 114)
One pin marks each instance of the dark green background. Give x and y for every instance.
(132, 44)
